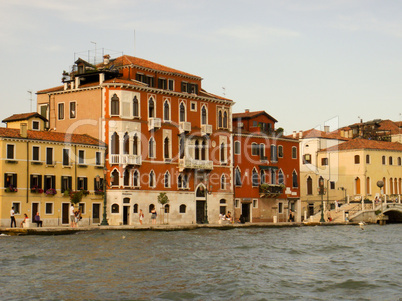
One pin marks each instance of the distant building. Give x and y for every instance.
(266, 170)
(41, 168)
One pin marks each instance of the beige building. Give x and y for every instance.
(41, 168)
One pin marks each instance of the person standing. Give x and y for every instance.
(12, 213)
(141, 216)
(336, 206)
(153, 216)
(72, 216)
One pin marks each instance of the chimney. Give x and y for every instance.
(247, 110)
(24, 130)
(77, 82)
(294, 134)
(300, 134)
(101, 78)
(106, 60)
(326, 128)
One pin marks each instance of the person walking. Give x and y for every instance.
(12, 217)
(72, 216)
(141, 216)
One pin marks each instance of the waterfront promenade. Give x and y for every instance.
(63, 230)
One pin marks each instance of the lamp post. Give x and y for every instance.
(207, 191)
(104, 219)
(380, 185)
(321, 191)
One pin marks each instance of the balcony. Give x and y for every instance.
(189, 163)
(206, 129)
(271, 190)
(154, 124)
(184, 127)
(125, 159)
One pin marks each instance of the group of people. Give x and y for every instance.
(25, 221)
(75, 216)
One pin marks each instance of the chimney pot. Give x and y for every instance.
(247, 110)
(106, 59)
(300, 134)
(24, 130)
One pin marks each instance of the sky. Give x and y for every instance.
(305, 62)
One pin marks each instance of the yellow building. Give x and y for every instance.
(41, 168)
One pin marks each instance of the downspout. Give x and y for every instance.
(27, 194)
(75, 166)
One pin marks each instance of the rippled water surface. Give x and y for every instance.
(306, 263)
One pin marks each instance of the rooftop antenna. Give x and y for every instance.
(224, 91)
(95, 52)
(30, 99)
(134, 42)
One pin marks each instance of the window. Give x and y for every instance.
(35, 182)
(66, 183)
(280, 207)
(309, 186)
(115, 144)
(181, 148)
(135, 145)
(220, 121)
(196, 150)
(294, 180)
(115, 178)
(49, 208)
(66, 157)
(126, 144)
(280, 151)
(237, 147)
(50, 182)
(357, 159)
(162, 83)
(223, 182)
(10, 151)
(399, 163)
(383, 160)
(307, 159)
(126, 177)
(60, 111)
(281, 178)
(166, 111)
(35, 153)
(16, 208)
(98, 158)
(167, 180)
(82, 183)
(332, 185)
(390, 160)
(136, 178)
(49, 156)
(10, 181)
(367, 185)
(184, 87)
(73, 112)
(294, 152)
(255, 149)
(182, 208)
(81, 156)
(114, 105)
(254, 178)
(151, 108)
(43, 111)
(261, 151)
(367, 159)
(81, 207)
(273, 176)
(193, 106)
(182, 113)
(136, 112)
(237, 177)
(223, 153)
(262, 177)
(204, 150)
(167, 208)
(255, 203)
(35, 125)
(204, 115)
(166, 148)
(222, 208)
(135, 208)
(152, 179)
(274, 156)
(324, 161)
(225, 120)
(115, 208)
(170, 84)
(151, 148)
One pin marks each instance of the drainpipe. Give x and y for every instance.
(75, 167)
(27, 194)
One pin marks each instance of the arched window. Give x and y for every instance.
(399, 161)
(225, 119)
(385, 184)
(151, 148)
(181, 147)
(135, 107)
(152, 179)
(167, 208)
(166, 149)
(182, 113)
(294, 152)
(280, 151)
(367, 159)
(237, 177)
(223, 157)
(135, 208)
(180, 182)
(368, 190)
(114, 105)
(237, 148)
(196, 150)
(204, 150)
(151, 207)
(391, 186)
(273, 176)
(203, 115)
(274, 156)
(309, 186)
(135, 145)
(383, 160)
(254, 178)
(115, 178)
(115, 144)
(391, 161)
(357, 185)
(151, 108)
(200, 191)
(294, 179)
(115, 208)
(136, 177)
(182, 208)
(281, 178)
(167, 180)
(126, 144)
(357, 159)
(126, 177)
(261, 151)
(166, 111)
(220, 121)
(262, 176)
(223, 182)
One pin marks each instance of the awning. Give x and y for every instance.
(265, 167)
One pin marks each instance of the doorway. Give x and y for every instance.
(245, 211)
(126, 214)
(200, 212)
(65, 212)
(310, 209)
(35, 207)
(96, 213)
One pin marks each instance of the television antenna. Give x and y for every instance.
(30, 99)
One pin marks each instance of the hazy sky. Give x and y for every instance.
(302, 61)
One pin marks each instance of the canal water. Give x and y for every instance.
(303, 263)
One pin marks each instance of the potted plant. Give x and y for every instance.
(11, 188)
(76, 197)
(51, 191)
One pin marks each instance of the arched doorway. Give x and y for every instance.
(201, 204)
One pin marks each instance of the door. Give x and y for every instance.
(35, 207)
(310, 209)
(200, 212)
(245, 211)
(95, 213)
(65, 213)
(126, 213)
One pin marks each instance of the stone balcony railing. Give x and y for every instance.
(206, 129)
(126, 159)
(271, 190)
(189, 163)
(154, 124)
(184, 127)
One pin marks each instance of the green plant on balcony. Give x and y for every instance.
(11, 188)
(271, 190)
(36, 189)
(66, 192)
(76, 196)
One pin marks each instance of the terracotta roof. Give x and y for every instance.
(389, 125)
(360, 143)
(248, 115)
(131, 60)
(314, 133)
(54, 89)
(24, 116)
(52, 136)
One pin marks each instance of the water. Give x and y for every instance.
(306, 263)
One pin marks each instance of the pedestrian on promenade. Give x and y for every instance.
(336, 206)
(24, 220)
(12, 217)
(141, 216)
(37, 220)
(153, 216)
(72, 216)
(291, 216)
(329, 218)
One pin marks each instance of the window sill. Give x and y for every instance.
(67, 166)
(11, 161)
(36, 163)
(99, 166)
(51, 165)
(82, 165)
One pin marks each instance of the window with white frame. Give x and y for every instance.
(237, 147)
(294, 152)
(35, 153)
(10, 151)
(60, 110)
(73, 110)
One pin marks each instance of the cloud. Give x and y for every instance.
(256, 32)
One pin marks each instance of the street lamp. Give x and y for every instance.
(207, 191)
(380, 185)
(104, 219)
(321, 191)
